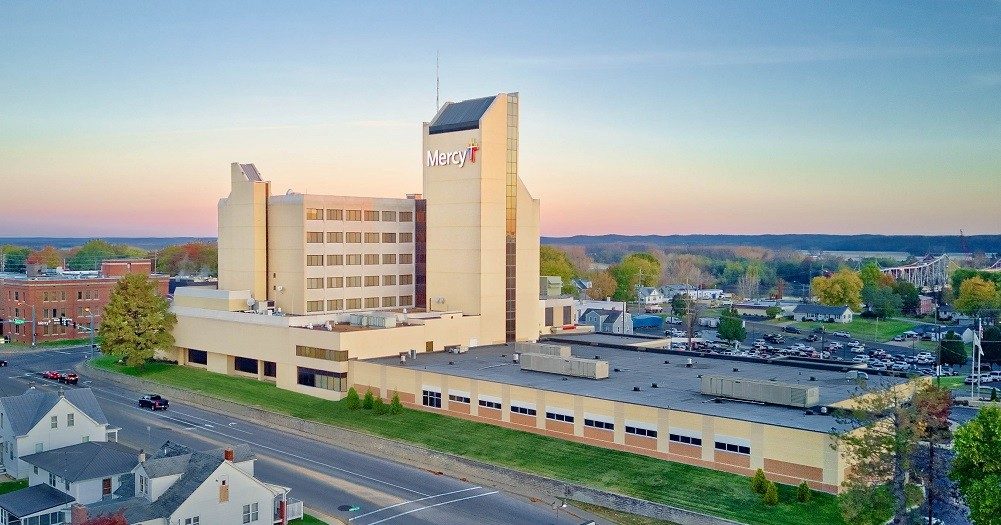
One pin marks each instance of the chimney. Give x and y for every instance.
(78, 514)
(142, 456)
(228, 454)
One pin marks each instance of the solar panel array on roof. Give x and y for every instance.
(460, 116)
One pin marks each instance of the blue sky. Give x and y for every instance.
(721, 117)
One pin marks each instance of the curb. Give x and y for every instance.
(440, 463)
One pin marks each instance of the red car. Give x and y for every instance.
(69, 379)
(51, 374)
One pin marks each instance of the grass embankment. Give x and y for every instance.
(308, 520)
(620, 518)
(689, 487)
(865, 329)
(11, 486)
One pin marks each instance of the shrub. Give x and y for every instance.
(380, 407)
(351, 400)
(759, 483)
(771, 496)
(395, 407)
(803, 493)
(369, 401)
(994, 393)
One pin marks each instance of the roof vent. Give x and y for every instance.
(812, 378)
(597, 357)
(451, 363)
(617, 370)
(808, 413)
(636, 389)
(666, 362)
(736, 370)
(653, 385)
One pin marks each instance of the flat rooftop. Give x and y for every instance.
(678, 387)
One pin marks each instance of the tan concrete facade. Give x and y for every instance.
(243, 233)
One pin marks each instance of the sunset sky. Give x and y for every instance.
(121, 119)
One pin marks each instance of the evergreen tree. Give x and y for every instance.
(977, 465)
(731, 327)
(395, 407)
(137, 321)
(759, 483)
(351, 400)
(369, 401)
(953, 350)
(803, 493)
(771, 496)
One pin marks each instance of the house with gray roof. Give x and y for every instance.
(610, 321)
(34, 506)
(822, 313)
(37, 421)
(87, 472)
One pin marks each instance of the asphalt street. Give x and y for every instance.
(327, 478)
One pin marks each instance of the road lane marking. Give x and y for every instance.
(432, 506)
(413, 501)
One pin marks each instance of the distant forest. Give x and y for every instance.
(146, 243)
(916, 245)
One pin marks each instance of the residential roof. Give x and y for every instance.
(820, 309)
(90, 460)
(32, 500)
(645, 291)
(610, 315)
(459, 116)
(581, 284)
(172, 458)
(26, 410)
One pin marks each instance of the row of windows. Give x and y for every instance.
(52, 518)
(458, 398)
(599, 424)
(354, 259)
(688, 440)
(730, 447)
(640, 431)
(490, 404)
(54, 421)
(355, 281)
(337, 381)
(523, 410)
(335, 305)
(317, 214)
(559, 417)
(431, 399)
(357, 237)
(321, 353)
(60, 295)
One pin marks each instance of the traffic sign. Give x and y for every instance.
(18, 321)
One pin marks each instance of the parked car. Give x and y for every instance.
(69, 379)
(51, 374)
(846, 335)
(154, 402)
(792, 330)
(898, 338)
(900, 367)
(3, 363)
(857, 349)
(812, 337)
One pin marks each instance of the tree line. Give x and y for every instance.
(192, 258)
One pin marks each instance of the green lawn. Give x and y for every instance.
(865, 329)
(685, 486)
(619, 518)
(308, 520)
(11, 486)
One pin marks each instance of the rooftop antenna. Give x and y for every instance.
(437, 84)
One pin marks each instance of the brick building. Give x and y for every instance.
(61, 302)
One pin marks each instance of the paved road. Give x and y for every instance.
(325, 477)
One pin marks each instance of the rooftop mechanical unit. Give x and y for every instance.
(567, 366)
(761, 391)
(542, 349)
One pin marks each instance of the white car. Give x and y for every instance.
(900, 367)
(857, 349)
(924, 355)
(860, 358)
(841, 334)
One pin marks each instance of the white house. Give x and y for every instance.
(34, 505)
(180, 487)
(697, 294)
(649, 296)
(89, 472)
(819, 312)
(37, 421)
(610, 321)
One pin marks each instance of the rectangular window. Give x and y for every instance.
(314, 306)
(199, 357)
(245, 364)
(191, 521)
(353, 215)
(406, 237)
(335, 237)
(54, 422)
(681, 438)
(406, 258)
(52, 479)
(458, 398)
(594, 423)
(431, 399)
(640, 431)
(371, 258)
(733, 447)
(371, 302)
(70, 420)
(388, 302)
(353, 281)
(388, 237)
(314, 214)
(335, 304)
(490, 404)
(314, 283)
(335, 215)
(270, 369)
(250, 513)
(523, 410)
(371, 280)
(372, 237)
(352, 237)
(353, 304)
(335, 282)
(314, 237)
(406, 216)
(321, 353)
(335, 260)
(314, 260)
(389, 216)
(557, 416)
(406, 279)
(353, 259)
(388, 280)
(371, 215)
(336, 381)
(389, 258)
(406, 300)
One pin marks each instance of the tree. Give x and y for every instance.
(976, 294)
(395, 407)
(602, 285)
(369, 401)
(771, 496)
(962, 274)
(679, 306)
(759, 483)
(92, 253)
(12, 258)
(351, 399)
(110, 519)
(803, 493)
(48, 257)
(379, 406)
(881, 301)
(933, 405)
(137, 322)
(870, 274)
(992, 344)
(731, 327)
(976, 467)
(772, 312)
(636, 269)
(554, 261)
(953, 349)
(910, 299)
(843, 288)
(193, 258)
